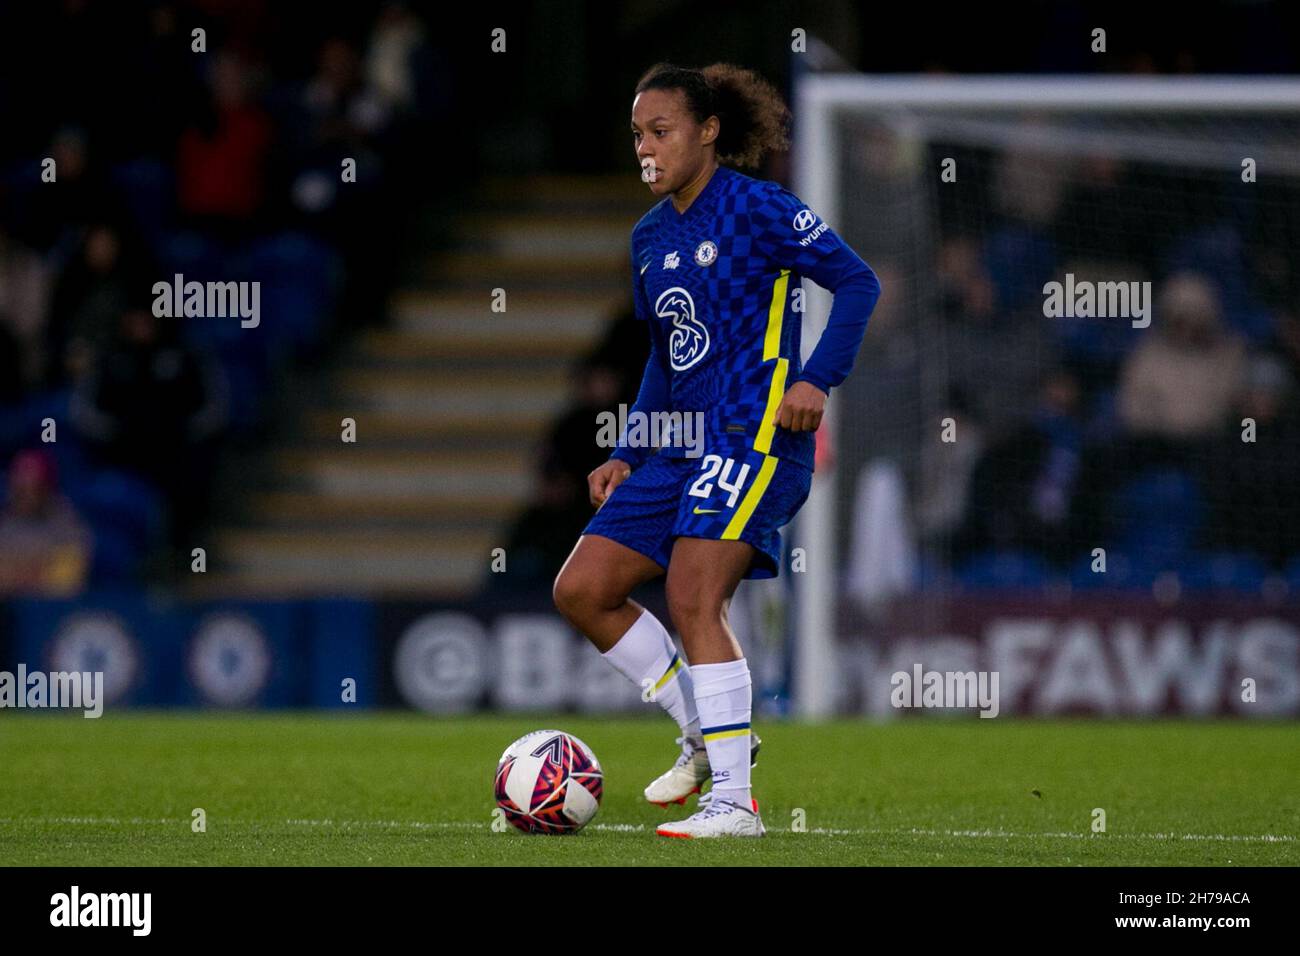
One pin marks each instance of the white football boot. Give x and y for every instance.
(690, 771)
(716, 818)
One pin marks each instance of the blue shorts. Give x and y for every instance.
(746, 496)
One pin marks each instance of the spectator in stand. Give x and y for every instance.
(106, 272)
(1020, 492)
(222, 156)
(622, 350)
(152, 406)
(24, 302)
(1286, 340)
(1175, 393)
(44, 213)
(11, 364)
(561, 507)
(1179, 383)
(45, 548)
(1251, 485)
(345, 110)
(542, 535)
(946, 470)
(983, 338)
(337, 115)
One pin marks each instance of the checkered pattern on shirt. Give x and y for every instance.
(752, 223)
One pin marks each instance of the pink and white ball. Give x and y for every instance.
(549, 782)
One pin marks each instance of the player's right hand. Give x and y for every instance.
(602, 482)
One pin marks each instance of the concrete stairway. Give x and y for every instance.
(450, 400)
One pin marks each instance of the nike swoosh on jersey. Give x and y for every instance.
(707, 511)
(644, 268)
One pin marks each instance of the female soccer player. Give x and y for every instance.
(715, 269)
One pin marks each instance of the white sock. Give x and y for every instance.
(723, 697)
(647, 653)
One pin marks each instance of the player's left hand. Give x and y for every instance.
(801, 408)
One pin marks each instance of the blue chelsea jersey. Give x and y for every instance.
(720, 288)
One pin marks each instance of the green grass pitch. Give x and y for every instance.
(407, 789)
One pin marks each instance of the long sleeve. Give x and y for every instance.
(856, 290)
(792, 236)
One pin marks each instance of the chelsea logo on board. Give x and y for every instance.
(705, 253)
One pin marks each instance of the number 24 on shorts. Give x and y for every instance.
(702, 487)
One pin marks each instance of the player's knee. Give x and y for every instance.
(580, 595)
(567, 593)
(690, 602)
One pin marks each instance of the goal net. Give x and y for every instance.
(1081, 377)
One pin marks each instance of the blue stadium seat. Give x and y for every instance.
(1158, 515)
(115, 559)
(194, 255)
(148, 189)
(1102, 423)
(20, 424)
(932, 575)
(300, 277)
(1292, 575)
(1123, 572)
(121, 506)
(1224, 571)
(1019, 260)
(1003, 569)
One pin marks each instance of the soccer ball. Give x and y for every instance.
(549, 782)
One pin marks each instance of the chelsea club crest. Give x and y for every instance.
(705, 253)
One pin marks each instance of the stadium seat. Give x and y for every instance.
(932, 575)
(1158, 514)
(299, 276)
(1123, 572)
(196, 256)
(1019, 260)
(1223, 571)
(116, 558)
(1103, 422)
(20, 424)
(124, 511)
(1003, 569)
(148, 189)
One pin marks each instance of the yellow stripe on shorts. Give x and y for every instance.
(751, 499)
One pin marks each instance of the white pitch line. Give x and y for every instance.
(638, 827)
(1008, 835)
